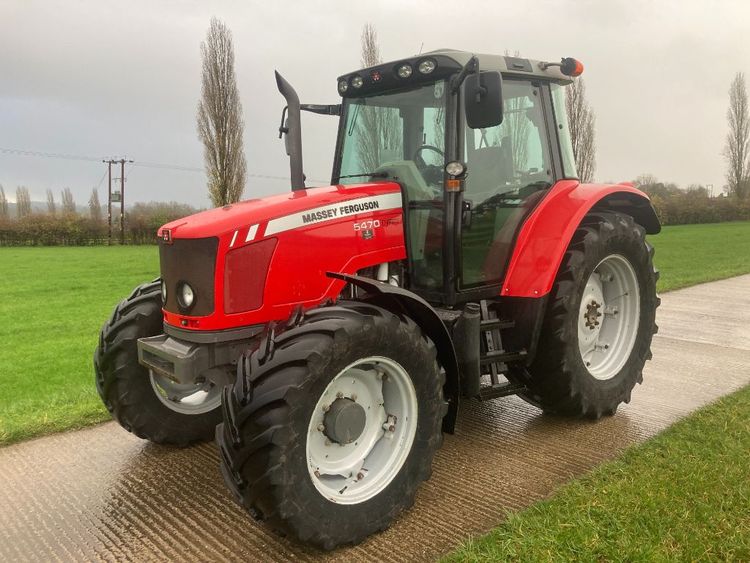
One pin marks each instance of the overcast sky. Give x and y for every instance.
(97, 78)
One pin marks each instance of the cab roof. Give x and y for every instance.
(444, 63)
(506, 64)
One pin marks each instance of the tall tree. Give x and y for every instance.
(3, 204)
(737, 148)
(23, 202)
(220, 123)
(51, 207)
(95, 208)
(378, 126)
(68, 203)
(582, 123)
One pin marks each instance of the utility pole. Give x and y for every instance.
(117, 197)
(109, 201)
(122, 201)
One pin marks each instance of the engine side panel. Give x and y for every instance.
(547, 232)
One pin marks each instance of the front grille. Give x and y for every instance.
(192, 261)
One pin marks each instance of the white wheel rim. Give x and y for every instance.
(356, 472)
(186, 398)
(608, 317)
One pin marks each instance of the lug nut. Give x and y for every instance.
(326, 408)
(339, 395)
(354, 397)
(317, 474)
(321, 427)
(360, 476)
(327, 442)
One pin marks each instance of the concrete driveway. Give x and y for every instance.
(103, 494)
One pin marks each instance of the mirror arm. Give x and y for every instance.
(471, 65)
(321, 109)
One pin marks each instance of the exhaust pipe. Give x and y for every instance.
(291, 127)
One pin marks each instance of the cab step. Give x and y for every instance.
(501, 356)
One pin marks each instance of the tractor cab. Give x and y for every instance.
(473, 158)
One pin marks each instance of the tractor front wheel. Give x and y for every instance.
(144, 403)
(596, 336)
(332, 424)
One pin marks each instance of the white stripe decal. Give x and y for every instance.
(335, 211)
(251, 233)
(234, 237)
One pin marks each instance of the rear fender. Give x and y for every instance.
(546, 234)
(402, 301)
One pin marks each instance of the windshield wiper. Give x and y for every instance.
(363, 174)
(354, 119)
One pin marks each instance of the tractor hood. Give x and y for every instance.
(227, 220)
(254, 261)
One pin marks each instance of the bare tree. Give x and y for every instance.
(737, 149)
(220, 123)
(95, 208)
(68, 203)
(3, 204)
(23, 202)
(378, 131)
(582, 123)
(51, 207)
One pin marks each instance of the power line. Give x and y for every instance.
(64, 156)
(145, 164)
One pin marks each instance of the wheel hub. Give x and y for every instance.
(592, 314)
(345, 421)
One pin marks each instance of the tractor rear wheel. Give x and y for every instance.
(596, 336)
(332, 424)
(144, 403)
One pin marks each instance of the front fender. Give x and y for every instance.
(402, 301)
(547, 232)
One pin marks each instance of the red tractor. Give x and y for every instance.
(327, 336)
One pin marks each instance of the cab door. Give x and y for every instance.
(510, 167)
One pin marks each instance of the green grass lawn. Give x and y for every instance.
(53, 302)
(682, 496)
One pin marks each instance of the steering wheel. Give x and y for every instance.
(431, 173)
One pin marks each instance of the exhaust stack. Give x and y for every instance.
(292, 129)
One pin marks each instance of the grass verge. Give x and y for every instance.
(681, 496)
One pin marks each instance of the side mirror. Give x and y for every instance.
(483, 100)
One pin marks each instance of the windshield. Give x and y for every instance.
(401, 134)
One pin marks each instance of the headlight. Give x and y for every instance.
(404, 71)
(455, 168)
(427, 66)
(186, 296)
(357, 81)
(343, 86)
(163, 292)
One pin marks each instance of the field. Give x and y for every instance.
(53, 302)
